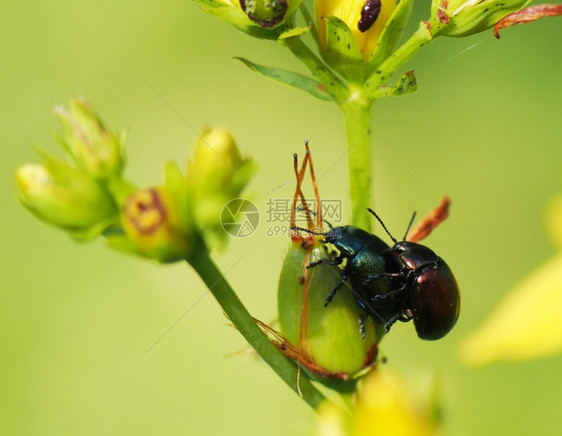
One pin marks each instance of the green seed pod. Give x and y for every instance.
(330, 335)
(326, 340)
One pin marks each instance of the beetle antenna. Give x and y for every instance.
(383, 226)
(409, 225)
(312, 232)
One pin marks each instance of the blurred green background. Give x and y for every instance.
(483, 128)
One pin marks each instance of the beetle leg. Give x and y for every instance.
(398, 317)
(336, 261)
(362, 330)
(391, 322)
(333, 291)
(409, 314)
(392, 294)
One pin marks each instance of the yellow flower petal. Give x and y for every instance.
(331, 420)
(526, 325)
(384, 407)
(349, 11)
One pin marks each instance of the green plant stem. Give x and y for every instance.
(357, 119)
(246, 325)
(410, 47)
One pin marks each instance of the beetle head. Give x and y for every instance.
(414, 255)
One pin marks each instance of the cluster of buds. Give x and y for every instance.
(89, 197)
(79, 197)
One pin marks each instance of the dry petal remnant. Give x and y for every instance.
(527, 15)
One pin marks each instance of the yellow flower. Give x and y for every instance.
(384, 407)
(365, 18)
(527, 324)
(153, 224)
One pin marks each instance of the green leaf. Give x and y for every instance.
(119, 241)
(91, 233)
(290, 78)
(405, 85)
(342, 52)
(391, 33)
(294, 31)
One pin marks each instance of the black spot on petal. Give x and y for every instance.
(369, 14)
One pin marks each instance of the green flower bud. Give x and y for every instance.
(267, 13)
(216, 174)
(65, 197)
(326, 340)
(330, 335)
(94, 149)
(154, 226)
(467, 17)
(216, 162)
